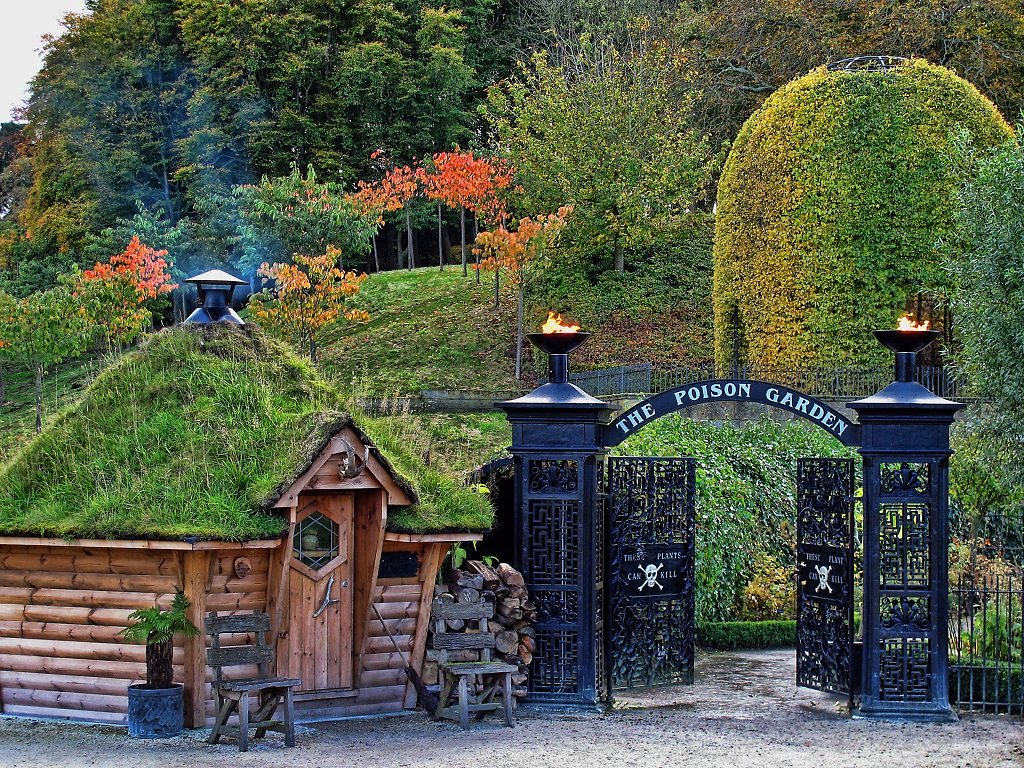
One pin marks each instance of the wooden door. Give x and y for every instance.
(320, 595)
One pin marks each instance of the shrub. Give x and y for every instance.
(738, 635)
(770, 595)
(830, 207)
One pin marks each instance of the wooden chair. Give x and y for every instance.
(234, 695)
(460, 678)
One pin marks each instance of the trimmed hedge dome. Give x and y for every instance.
(830, 208)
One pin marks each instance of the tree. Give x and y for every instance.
(307, 296)
(522, 253)
(116, 294)
(988, 299)
(40, 331)
(460, 180)
(296, 214)
(735, 53)
(607, 134)
(400, 186)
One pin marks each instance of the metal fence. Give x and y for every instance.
(825, 383)
(986, 644)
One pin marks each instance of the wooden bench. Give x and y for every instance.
(459, 679)
(234, 695)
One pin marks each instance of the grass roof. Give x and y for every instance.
(195, 434)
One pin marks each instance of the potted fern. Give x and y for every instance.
(156, 708)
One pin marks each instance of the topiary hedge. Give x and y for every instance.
(830, 207)
(744, 635)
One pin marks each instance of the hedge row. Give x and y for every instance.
(742, 635)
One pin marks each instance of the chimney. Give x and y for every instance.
(215, 289)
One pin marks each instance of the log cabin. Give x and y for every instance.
(213, 460)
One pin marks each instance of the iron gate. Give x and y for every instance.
(650, 560)
(824, 550)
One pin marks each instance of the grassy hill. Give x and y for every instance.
(428, 330)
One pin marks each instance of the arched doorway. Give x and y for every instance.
(650, 626)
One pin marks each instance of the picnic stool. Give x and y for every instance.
(459, 679)
(234, 695)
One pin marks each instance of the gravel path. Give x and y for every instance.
(743, 711)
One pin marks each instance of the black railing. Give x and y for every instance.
(825, 383)
(986, 643)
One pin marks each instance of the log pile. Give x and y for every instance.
(512, 625)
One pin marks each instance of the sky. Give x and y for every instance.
(22, 26)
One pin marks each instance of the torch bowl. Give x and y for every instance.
(558, 343)
(906, 341)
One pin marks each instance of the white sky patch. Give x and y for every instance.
(22, 26)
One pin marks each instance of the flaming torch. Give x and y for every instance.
(906, 341)
(557, 340)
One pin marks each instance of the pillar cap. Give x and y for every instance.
(554, 394)
(902, 396)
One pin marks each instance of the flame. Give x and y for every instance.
(554, 325)
(906, 324)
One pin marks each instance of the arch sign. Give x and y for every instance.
(672, 400)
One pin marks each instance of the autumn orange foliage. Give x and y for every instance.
(115, 293)
(306, 297)
(520, 254)
(516, 251)
(461, 180)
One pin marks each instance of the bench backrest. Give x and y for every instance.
(260, 654)
(482, 640)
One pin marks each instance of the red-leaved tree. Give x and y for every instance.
(116, 294)
(522, 253)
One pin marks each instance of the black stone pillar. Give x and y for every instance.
(905, 446)
(555, 432)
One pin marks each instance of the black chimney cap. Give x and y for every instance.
(215, 289)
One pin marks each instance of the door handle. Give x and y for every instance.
(327, 598)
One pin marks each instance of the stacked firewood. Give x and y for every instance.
(512, 625)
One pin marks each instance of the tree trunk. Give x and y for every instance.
(476, 234)
(159, 672)
(408, 235)
(440, 240)
(312, 348)
(462, 240)
(620, 257)
(376, 256)
(521, 298)
(37, 375)
(399, 253)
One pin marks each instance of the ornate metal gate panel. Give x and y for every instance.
(824, 550)
(650, 567)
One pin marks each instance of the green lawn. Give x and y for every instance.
(60, 388)
(428, 330)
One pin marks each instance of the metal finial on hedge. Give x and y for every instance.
(867, 64)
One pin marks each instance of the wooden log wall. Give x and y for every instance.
(60, 611)
(62, 607)
(228, 594)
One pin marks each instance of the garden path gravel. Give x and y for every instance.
(743, 711)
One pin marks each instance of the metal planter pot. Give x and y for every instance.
(155, 713)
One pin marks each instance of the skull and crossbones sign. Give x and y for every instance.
(821, 572)
(650, 576)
